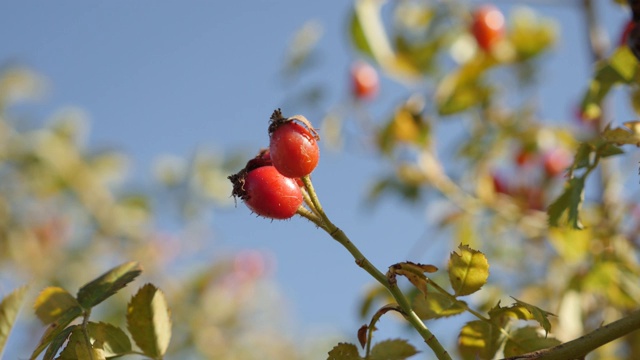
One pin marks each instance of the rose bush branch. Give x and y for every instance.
(580, 347)
(404, 304)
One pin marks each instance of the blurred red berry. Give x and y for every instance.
(499, 184)
(488, 26)
(365, 82)
(556, 161)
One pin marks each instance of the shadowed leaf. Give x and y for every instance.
(527, 339)
(568, 202)
(108, 284)
(57, 343)
(539, 315)
(479, 340)
(112, 340)
(56, 328)
(392, 350)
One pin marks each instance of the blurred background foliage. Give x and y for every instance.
(68, 213)
(467, 143)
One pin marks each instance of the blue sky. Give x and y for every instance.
(161, 77)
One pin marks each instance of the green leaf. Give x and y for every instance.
(628, 135)
(52, 303)
(112, 340)
(149, 322)
(527, 339)
(468, 270)
(56, 328)
(358, 38)
(463, 88)
(436, 305)
(614, 281)
(9, 308)
(479, 340)
(375, 293)
(624, 64)
(344, 351)
(57, 343)
(77, 347)
(568, 202)
(539, 315)
(530, 34)
(501, 315)
(392, 350)
(108, 284)
(583, 156)
(621, 67)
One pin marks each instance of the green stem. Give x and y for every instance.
(85, 333)
(338, 235)
(458, 302)
(580, 347)
(305, 213)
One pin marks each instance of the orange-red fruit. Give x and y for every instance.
(270, 194)
(293, 150)
(487, 26)
(365, 82)
(556, 161)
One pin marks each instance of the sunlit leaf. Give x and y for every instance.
(571, 244)
(621, 67)
(530, 34)
(149, 321)
(9, 308)
(468, 270)
(392, 350)
(108, 284)
(52, 303)
(479, 340)
(436, 305)
(501, 315)
(462, 89)
(527, 339)
(539, 315)
(344, 351)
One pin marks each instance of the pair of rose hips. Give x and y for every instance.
(270, 183)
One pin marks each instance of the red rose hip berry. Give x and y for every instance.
(268, 193)
(364, 80)
(293, 147)
(487, 26)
